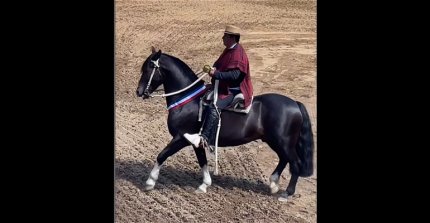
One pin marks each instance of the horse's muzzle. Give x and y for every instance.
(140, 92)
(145, 95)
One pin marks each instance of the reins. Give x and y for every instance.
(156, 65)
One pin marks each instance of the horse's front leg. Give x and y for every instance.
(176, 144)
(203, 163)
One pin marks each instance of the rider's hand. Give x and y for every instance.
(212, 72)
(207, 68)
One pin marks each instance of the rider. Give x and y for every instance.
(232, 71)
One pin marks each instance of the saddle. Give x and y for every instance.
(237, 105)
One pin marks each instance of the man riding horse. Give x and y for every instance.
(232, 71)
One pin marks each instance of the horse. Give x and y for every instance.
(275, 119)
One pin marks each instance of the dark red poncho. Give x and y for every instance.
(233, 59)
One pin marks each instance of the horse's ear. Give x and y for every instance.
(157, 55)
(153, 49)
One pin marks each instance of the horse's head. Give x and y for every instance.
(151, 77)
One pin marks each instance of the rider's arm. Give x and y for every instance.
(227, 75)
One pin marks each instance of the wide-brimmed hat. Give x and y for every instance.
(233, 30)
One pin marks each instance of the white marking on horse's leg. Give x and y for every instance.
(207, 181)
(202, 188)
(206, 175)
(153, 176)
(274, 183)
(283, 197)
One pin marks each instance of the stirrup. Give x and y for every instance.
(206, 145)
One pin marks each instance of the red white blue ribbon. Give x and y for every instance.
(188, 98)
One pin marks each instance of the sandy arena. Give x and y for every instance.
(280, 40)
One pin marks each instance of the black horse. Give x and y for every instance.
(279, 121)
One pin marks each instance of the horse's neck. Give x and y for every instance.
(177, 81)
(178, 74)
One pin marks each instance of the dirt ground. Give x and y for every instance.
(280, 39)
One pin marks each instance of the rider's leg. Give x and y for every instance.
(210, 123)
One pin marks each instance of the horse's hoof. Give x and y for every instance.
(149, 187)
(274, 188)
(201, 189)
(283, 197)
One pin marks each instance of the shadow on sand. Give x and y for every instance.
(137, 173)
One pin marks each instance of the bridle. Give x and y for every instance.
(156, 67)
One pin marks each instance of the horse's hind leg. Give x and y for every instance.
(274, 178)
(176, 144)
(291, 188)
(284, 148)
(203, 163)
(294, 170)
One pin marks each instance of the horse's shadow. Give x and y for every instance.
(137, 173)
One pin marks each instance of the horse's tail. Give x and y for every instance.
(305, 145)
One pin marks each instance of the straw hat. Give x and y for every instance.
(233, 30)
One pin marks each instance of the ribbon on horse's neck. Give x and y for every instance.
(157, 65)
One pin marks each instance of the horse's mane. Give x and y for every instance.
(179, 64)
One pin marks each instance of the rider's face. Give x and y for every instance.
(227, 40)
